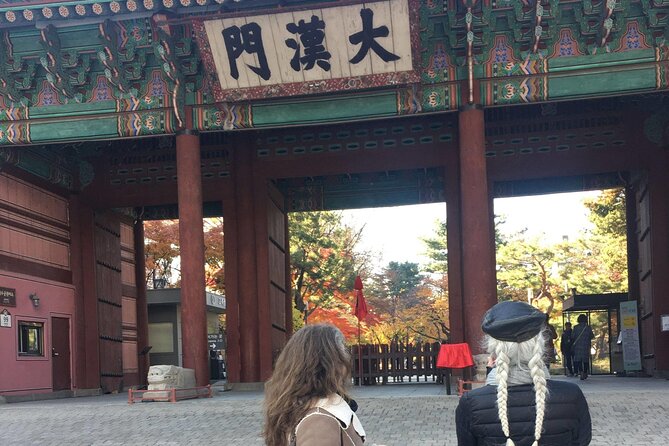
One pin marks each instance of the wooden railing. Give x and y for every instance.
(396, 362)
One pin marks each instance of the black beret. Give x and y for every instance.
(513, 321)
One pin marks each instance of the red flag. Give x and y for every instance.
(360, 304)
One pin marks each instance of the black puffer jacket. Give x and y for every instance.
(566, 420)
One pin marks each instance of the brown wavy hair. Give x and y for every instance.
(314, 364)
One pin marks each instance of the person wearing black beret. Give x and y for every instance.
(520, 405)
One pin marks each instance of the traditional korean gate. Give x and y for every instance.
(109, 300)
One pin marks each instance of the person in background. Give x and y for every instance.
(520, 406)
(550, 337)
(306, 400)
(582, 336)
(565, 349)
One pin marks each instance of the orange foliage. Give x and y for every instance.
(347, 323)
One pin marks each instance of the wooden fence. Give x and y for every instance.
(396, 362)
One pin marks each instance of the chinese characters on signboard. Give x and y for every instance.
(313, 45)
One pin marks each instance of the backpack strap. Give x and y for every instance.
(578, 337)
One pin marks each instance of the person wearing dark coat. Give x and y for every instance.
(581, 346)
(565, 348)
(520, 406)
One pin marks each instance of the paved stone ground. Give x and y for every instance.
(625, 412)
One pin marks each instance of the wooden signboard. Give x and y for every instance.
(7, 297)
(364, 45)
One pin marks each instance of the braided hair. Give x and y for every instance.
(527, 354)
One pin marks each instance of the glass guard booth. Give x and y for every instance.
(602, 311)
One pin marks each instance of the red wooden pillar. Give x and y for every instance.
(658, 191)
(454, 246)
(191, 241)
(264, 321)
(478, 243)
(247, 295)
(232, 352)
(141, 303)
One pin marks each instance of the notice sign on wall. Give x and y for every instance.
(630, 335)
(7, 297)
(5, 319)
(309, 51)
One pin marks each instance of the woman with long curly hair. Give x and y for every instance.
(520, 405)
(306, 400)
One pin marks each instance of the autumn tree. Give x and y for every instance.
(609, 237)
(595, 262)
(325, 259)
(399, 285)
(161, 249)
(527, 269)
(161, 252)
(410, 306)
(432, 319)
(214, 258)
(436, 249)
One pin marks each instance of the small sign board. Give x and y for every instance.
(630, 335)
(216, 341)
(5, 319)
(7, 297)
(664, 322)
(216, 301)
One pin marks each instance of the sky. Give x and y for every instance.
(395, 233)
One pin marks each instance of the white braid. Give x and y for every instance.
(524, 354)
(502, 364)
(540, 390)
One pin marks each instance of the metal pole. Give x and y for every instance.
(359, 356)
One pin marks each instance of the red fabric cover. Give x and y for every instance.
(360, 306)
(360, 302)
(454, 356)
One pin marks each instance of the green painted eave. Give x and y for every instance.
(80, 129)
(325, 109)
(73, 109)
(602, 60)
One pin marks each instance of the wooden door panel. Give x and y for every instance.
(279, 257)
(60, 354)
(109, 296)
(644, 241)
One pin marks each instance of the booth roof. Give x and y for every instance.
(603, 301)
